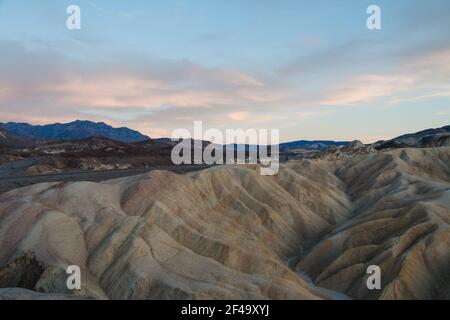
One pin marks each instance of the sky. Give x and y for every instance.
(310, 68)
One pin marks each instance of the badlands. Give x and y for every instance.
(226, 232)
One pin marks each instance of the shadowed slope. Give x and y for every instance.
(401, 223)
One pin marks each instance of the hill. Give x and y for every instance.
(424, 138)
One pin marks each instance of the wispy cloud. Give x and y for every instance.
(366, 89)
(156, 91)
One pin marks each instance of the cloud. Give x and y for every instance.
(135, 91)
(428, 96)
(314, 114)
(43, 85)
(121, 83)
(420, 75)
(367, 88)
(238, 116)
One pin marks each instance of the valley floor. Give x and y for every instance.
(11, 179)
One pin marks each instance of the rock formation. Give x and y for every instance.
(229, 233)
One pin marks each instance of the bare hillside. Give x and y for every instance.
(228, 233)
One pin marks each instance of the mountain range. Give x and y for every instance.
(312, 145)
(75, 130)
(23, 134)
(19, 135)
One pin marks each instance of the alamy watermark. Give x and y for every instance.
(236, 146)
(74, 280)
(73, 21)
(374, 280)
(374, 20)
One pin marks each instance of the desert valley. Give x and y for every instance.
(155, 231)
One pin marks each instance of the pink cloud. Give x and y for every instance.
(367, 88)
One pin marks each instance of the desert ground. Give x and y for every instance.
(227, 232)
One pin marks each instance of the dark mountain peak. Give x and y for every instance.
(424, 138)
(88, 123)
(75, 130)
(423, 133)
(83, 122)
(312, 145)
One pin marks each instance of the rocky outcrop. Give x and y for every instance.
(23, 271)
(354, 145)
(443, 141)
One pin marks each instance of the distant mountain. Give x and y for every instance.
(415, 137)
(312, 145)
(75, 130)
(424, 138)
(7, 139)
(301, 144)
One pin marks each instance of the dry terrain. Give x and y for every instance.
(229, 233)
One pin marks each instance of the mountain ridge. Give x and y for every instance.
(25, 134)
(75, 130)
(427, 137)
